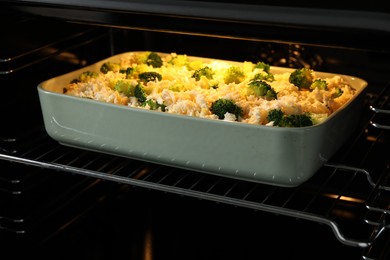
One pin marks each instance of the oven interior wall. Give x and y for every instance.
(56, 214)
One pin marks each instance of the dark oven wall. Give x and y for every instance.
(61, 202)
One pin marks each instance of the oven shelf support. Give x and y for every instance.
(204, 195)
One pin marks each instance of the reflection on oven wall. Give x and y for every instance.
(50, 206)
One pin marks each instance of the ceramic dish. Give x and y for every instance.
(271, 155)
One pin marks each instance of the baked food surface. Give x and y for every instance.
(245, 92)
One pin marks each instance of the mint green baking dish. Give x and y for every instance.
(278, 156)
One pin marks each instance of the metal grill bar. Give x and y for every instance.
(381, 107)
(53, 49)
(210, 194)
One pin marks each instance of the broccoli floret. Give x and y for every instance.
(85, 76)
(153, 105)
(275, 115)
(320, 84)
(234, 74)
(283, 120)
(264, 66)
(149, 76)
(154, 60)
(129, 72)
(302, 78)
(208, 73)
(110, 66)
(205, 71)
(139, 93)
(266, 76)
(300, 120)
(262, 89)
(338, 92)
(222, 106)
(125, 86)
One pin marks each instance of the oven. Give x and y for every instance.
(60, 202)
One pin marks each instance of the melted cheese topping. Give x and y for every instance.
(181, 93)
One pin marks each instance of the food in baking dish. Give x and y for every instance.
(246, 92)
(127, 110)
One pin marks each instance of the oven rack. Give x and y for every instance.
(336, 191)
(352, 184)
(39, 205)
(57, 45)
(25, 203)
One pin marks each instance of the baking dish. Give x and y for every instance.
(278, 156)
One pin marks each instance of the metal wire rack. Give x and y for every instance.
(341, 196)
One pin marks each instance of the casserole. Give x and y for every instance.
(271, 155)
